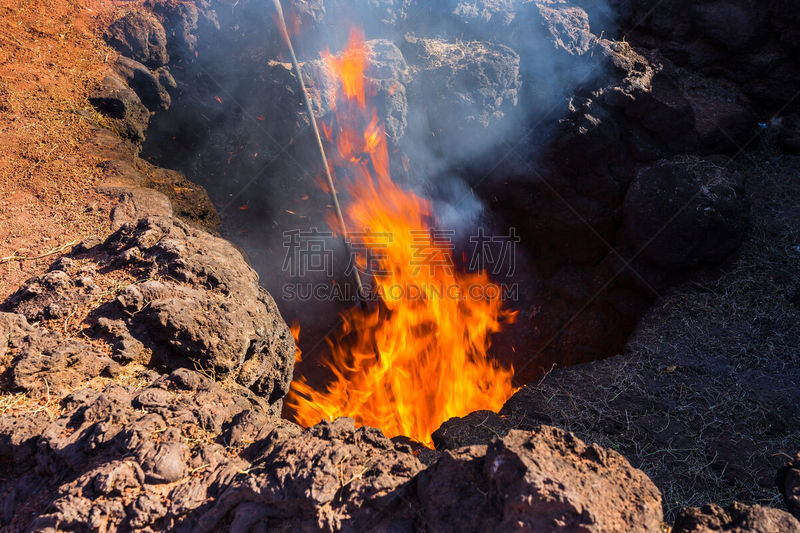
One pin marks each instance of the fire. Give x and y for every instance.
(421, 357)
(349, 68)
(298, 353)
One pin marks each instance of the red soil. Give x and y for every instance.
(51, 58)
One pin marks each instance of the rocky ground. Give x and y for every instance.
(143, 367)
(705, 397)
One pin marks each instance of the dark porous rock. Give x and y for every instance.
(737, 518)
(167, 462)
(166, 80)
(530, 27)
(651, 94)
(745, 41)
(183, 21)
(44, 363)
(475, 428)
(543, 480)
(144, 82)
(117, 101)
(685, 212)
(470, 90)
(331, 477)
(246, 428)
(563, 23)
(454, 492)
(138, 183)
(388, 74)
(188, 200)
(786, 21)
(788, 132)
(134, 201)
(197, 304)
(123, 456)
(139, 36)
(473, 19)
(789, 485)
(729, 24)
(18, 438)
(723, 119)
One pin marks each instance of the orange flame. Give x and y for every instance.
(298, 353)
(349, 67)
(421, 358)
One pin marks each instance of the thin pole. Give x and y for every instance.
(345, 235)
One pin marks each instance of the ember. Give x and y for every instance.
(421, 358)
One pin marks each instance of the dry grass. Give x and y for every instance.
(21, 404)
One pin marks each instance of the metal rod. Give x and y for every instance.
(343, 226)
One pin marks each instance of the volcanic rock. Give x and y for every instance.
(527, 26)
(192, 302)
(751, 43)
(650, 94)
(729, 24)
(737, 518)
(789, 485)
(723, 119)
(136, 181)
(467, 89)
(685, 212)
(331, 477)
(475, 428)
(141, 37)
(473, 19)
(563, 23)
(788, 132)
(182, 22)
(144, 82)
(108, 451)
(117, 101)
(45, 362)
(786, 21)
(539, 481)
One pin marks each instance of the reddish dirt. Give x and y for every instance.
(51, 58)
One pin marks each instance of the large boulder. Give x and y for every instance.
(545, 480)
(462, 94)
(128, 116)
(180, 298)
(684, 212)
(736, 518)
(145, 82)
(139, 36)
